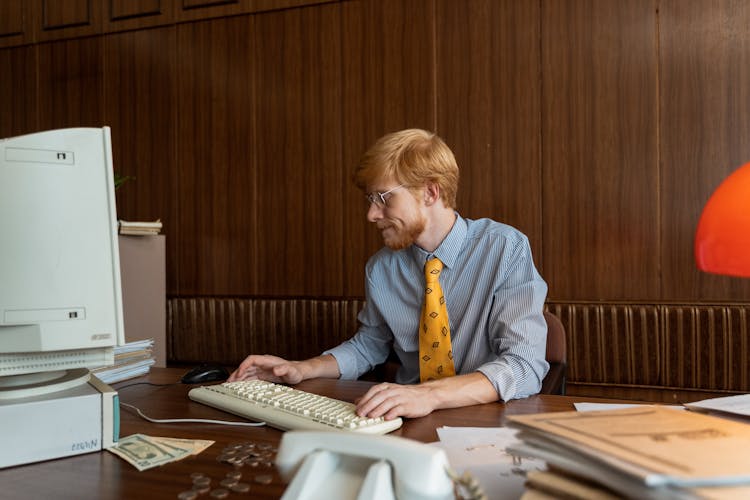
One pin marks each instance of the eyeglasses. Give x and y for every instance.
(381, 199)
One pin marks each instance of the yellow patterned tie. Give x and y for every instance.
(435, 353)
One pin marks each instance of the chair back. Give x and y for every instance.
(556, 356)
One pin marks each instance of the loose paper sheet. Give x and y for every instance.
(735, 405)
(481, 451)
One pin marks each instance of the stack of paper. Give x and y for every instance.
(131, 360)
(140, 228)
(644, 452)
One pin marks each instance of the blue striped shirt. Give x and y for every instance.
(494, 296)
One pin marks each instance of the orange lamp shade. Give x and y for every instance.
(722, 240)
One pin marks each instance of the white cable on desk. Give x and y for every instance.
(191, 420)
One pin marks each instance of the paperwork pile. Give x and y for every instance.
(642, 452)
(131, 360)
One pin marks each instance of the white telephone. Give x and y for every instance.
(346, 465)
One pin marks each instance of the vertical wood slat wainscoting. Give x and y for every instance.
(227, 329)
(642, 351)
(669, 352)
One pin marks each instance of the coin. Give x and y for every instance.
(263, 478)
(202, 481)
(196, 475)
(241, 488)
(219, 493)
(228, 482)
(202, 490)
(188, 495)
(234, 474)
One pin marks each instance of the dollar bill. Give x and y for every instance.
(195, 446)
(145, 453)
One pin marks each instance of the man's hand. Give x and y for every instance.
(276, 369)
(270, 368)
(394, 400)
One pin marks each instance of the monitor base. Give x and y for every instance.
(41, 383)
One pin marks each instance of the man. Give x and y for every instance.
(494, 338)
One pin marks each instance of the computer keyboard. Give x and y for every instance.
(286, 408)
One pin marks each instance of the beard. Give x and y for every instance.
(401, 234)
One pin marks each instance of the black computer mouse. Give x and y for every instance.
(207, 372)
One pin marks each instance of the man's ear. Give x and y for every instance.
(431, 193)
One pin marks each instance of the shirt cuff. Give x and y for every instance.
(502, 379)
(347, 361)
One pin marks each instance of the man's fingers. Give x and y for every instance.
(377, 401)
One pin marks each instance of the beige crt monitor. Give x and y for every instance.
(60, 295)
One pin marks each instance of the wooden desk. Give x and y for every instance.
(103, 475)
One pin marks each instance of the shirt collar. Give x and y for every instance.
(448, 249)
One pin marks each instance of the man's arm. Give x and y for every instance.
(394, 400)
(275, 369)
(517, 330)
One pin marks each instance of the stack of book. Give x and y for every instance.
(638, 452)
(131, 360)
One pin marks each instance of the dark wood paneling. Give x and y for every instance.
(613, 343)
(188, 10)
(389, 84)
(687, 346)
(489, 108)
(215, 161)
(135, 14)
(18, 91)
(706, 347)
(23, 22)
(599, 149)
(226, 330)
(299, 198)
(62, 19)
(71, 83)
(139, 106)
(11, 18)
(704, 131)
(16, 22)
(265, 5)
(635, 121)
(199, 4)
(124, 9)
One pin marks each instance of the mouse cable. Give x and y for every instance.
(191, 420)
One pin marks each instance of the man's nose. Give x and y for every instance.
(374, 212)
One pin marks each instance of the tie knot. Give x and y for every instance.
(432, 270)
